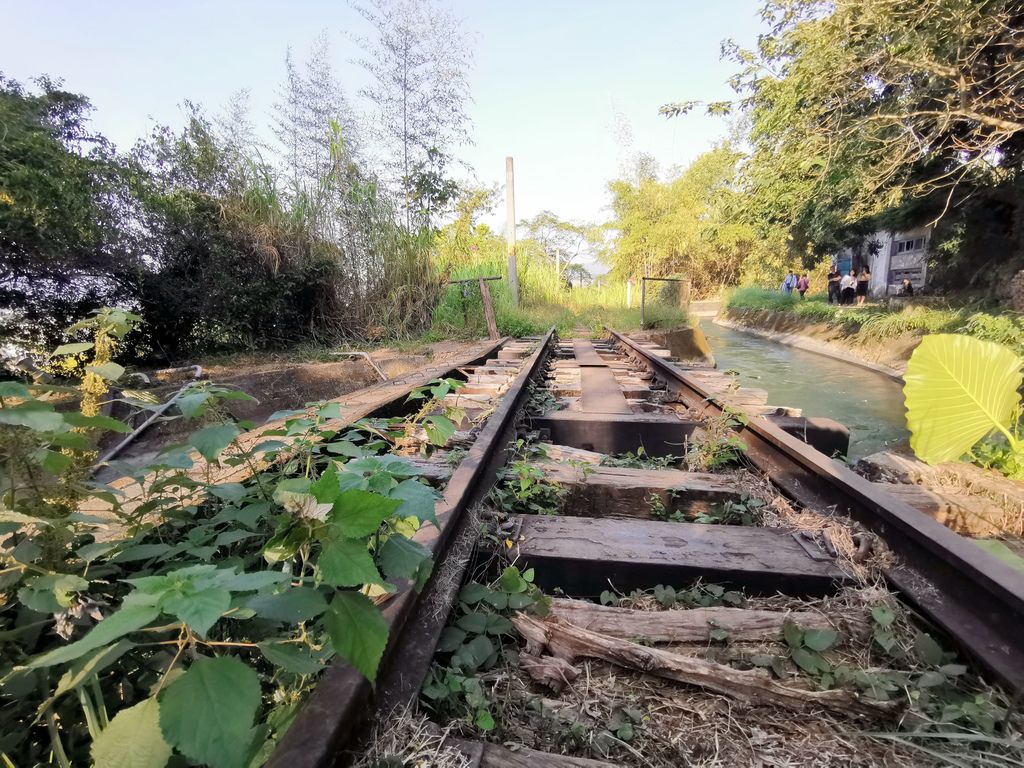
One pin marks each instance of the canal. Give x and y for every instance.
(870, 404)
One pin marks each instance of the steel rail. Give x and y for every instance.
(344, 702)
(972, 596)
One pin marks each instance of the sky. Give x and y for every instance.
(569, 88)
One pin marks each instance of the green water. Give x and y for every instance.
(870, 404)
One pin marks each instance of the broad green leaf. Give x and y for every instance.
(359, 513)
(418, 500)
(108, 371)
(439, 429)
(473, 592)
(807, 661)
(358, 632)
(512, 581)
(347, 563)
(958, 389)
(192, 404)
(883, 614)
(211, 440)
(55, 463)
(52, 592)
(133, 739)
(292, 657)
(99, 421)
(291, 606)
(76, 348)
(32, 416)
(207, 713)
(820, 639)
(927, 650)
(198, 608)
(129, 618)
(474, 622)
(14, 389)
(792, 634)
(82, 670)
(402, 558)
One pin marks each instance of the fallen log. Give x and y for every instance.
(692, 625)
(570, 642)
(551, 671)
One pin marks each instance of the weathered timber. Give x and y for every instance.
(657, 434)
(601, 392)
(692, 625)
(583, 556)
(951, 477)
(492, 324)
(626, 493)
(571, 642)
(963, 513)
(551, 671)
(555, 452)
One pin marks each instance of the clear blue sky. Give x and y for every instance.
(548, 79)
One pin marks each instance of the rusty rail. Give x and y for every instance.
(344, 701)
(972, 596)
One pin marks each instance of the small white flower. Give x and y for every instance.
(305, 506)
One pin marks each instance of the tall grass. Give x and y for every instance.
(544, 301)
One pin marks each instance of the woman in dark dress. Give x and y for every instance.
(862, 286)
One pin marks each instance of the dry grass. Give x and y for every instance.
(680, 725)
(409, 739)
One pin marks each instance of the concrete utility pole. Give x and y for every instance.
(510, 230)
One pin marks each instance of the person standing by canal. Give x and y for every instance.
(802, 285)
(834, 277)
(847, 287)
(862, 286)
(789, 283)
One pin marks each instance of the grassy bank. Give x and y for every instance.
(875, 324)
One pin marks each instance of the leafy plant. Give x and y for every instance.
(744, 511)
(716, 444)
(523, 490)
(191, 617)
(958, 391)
(641, 460)
(473, 643)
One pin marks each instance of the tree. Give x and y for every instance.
(562, 242)
(862, 107)
(689, 225)
(64, 197)
(418, 61)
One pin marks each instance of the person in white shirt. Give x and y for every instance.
(848, 287)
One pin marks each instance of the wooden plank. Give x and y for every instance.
(601, 392)
(657, 434)
(584, 556)
(692, 625)
(621, 492)
(492, 324)
(354, 406)
(585, 353)
(963, 513)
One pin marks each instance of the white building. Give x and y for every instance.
(891, 257)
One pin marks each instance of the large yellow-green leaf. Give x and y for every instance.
(958, 389)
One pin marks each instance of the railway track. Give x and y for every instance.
(594, 425)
